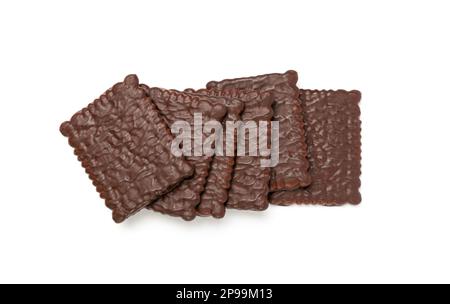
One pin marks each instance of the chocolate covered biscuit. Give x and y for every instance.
(124, 145)
(218, 183)
(182, 106)
(333, 131)
(250, 181)
(239, 182)
(292, 170)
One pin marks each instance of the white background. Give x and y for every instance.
(57, 56)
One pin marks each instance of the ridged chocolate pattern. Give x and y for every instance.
(175, 106)
(124, 145)
(250, 183)
(292, 170)
(334, 149)
(218, 183)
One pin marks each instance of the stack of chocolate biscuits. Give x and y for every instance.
(125, 141)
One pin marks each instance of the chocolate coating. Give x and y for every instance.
(218, 183)
(334, 149)
(292, 170)
(175, 106)
(124, 145)
(250, 183)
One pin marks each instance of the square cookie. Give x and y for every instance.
(292, 170)
(333, 131)
(177, 106)
(124, 145)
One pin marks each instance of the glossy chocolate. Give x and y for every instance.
(250, 184)
(181, 106)
(218, 183)
(124, 145)
(292, 170)
(333, 130)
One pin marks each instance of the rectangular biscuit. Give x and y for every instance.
(177, 106)
(124, 145)
(250, 185)
(292, 170)
(333, 132)
(218, 182)
(239, 182)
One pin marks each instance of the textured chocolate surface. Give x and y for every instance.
(124, 145)
(218, 183)
(175, 106)
(292, 170)
(333, 130)
(250, 183)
